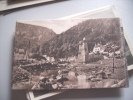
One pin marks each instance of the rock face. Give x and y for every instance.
(66, 44)
(31, 36)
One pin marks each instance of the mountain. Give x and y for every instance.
(95, 30)
(31, 37)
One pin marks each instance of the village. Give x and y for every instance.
(107, 51)
(71, 72)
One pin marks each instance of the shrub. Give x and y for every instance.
(94, 58)
(19, 74)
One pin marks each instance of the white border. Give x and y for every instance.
(32, 97)
(4, 5)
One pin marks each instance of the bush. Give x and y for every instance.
(94, 58)
(19, 74)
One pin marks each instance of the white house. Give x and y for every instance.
(105, 57)
(98, 48)
(118, 53)
(51, 59)
(72, 59)
(63, 59)
(111, 54)
(22, 51)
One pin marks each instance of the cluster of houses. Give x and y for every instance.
(48, 58)
(22, 56)
(107, 50)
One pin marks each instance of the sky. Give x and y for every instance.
(61, 25)
(58, 26)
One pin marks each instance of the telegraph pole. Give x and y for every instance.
(113, 59)
(27, 51)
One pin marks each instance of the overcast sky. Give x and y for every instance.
(58, 26)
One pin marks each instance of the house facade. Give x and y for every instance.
(98, 48)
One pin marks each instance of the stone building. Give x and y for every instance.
(83, 51)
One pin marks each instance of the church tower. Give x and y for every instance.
(83, 51)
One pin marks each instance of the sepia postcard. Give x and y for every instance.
(69, 54)
(104, 12)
